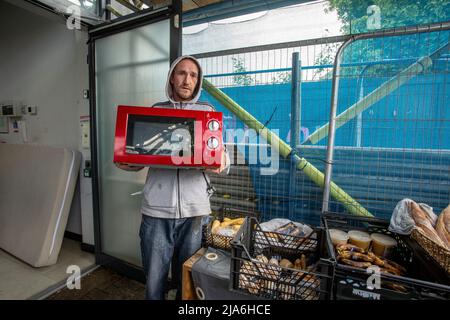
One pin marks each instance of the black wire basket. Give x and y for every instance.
(254, 269)
(219, 241)
(421, 277)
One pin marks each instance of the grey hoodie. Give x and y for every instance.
(178, 193)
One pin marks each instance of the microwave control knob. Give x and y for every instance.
(213, 125)
(213, 143)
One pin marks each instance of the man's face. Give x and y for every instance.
(184, 80)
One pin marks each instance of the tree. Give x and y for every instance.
(394, 13)
(355, 16)
(282, 77)
(240, 79)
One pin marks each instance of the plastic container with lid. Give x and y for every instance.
(360, 238)
(382, 244)
(338, 236)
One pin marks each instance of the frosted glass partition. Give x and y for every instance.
(131, 69)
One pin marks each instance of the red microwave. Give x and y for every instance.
(163, 137)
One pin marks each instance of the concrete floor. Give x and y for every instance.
(19, 281)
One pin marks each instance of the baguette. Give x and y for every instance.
(422, 222)
(443, 226)
(232, 222)
(357, 264)
(348, 247)
(215, 226)
(419, 216)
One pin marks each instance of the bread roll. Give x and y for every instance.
(443, 226)
(273, 261)
(285, 263)
(262, 258)
(338, 236)
(252, 284)
(422, 222)
(267, 268)
(360, 239)
(382, 244)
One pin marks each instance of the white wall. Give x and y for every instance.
(43, 63)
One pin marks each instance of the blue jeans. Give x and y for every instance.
(166, 241)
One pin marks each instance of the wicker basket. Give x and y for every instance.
(437, 252)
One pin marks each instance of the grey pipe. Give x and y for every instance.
(295, 126)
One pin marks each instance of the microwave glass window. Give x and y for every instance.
(156, 135)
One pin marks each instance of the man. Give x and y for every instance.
(174, 200)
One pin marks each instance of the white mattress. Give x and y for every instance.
(36, 189)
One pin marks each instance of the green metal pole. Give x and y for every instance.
(284, 150)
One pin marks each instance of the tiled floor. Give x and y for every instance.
(105, 284)
(20, 281)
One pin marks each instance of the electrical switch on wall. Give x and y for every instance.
(31, 110)
(87, 169)
(85, 143)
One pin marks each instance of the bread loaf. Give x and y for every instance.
(285, 263)
(443, 226)
(421, 219)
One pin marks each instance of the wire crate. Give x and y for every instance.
(424, 278)
(219, 241)
(306, 277)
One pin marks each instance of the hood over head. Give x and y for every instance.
(197, 90)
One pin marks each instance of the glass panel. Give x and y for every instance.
(131, 69)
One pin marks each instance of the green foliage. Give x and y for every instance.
(326, 57)
(282, 77)
(241, 79)
(394, 13)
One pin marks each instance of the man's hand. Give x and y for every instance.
(128, 167)
(223, 163)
